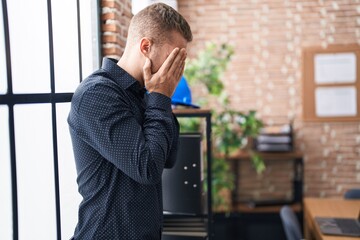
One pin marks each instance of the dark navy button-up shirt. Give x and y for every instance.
(122, 140)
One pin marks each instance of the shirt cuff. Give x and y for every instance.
(159, 101)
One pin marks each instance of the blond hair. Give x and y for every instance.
(156, 22)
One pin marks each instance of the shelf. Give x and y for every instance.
(190, 111)
(169, 216)
(241, 208)
(267, 206)
(241, 155)
(245, 208)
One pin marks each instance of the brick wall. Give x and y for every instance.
(265, 74)
(115, 19)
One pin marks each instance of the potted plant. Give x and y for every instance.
(231, 129)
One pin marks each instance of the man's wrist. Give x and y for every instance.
(158, 100)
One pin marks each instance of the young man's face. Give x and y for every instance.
(159, 54)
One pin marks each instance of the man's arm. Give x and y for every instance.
(164, 82)
(106, 122)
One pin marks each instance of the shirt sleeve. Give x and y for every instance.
(139, 149)
(174, 147)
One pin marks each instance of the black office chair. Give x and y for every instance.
(290, 223)
(352, 193)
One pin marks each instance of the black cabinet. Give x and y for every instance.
(183, 191)
(187, 206)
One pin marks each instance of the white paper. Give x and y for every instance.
(335, 68)
(335, 101)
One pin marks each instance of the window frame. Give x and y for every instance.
(10, 99)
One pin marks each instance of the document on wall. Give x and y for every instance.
(336, 101)
(335, 68)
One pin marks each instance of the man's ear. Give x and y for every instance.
(145, 46)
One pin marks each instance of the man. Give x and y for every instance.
(123, 137)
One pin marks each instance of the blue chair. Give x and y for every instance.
(290, 223)
(352, 193)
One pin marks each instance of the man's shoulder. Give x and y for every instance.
(99, 77)
(97, 81)
(96, 86)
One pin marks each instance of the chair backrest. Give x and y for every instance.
(352, 193)
(290, 223)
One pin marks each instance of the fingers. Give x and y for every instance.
(179, 61)
(169, 60)
(168, 76)
(180, 70)
(177, 66)
(173, 61)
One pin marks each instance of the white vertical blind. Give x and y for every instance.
(89, 20)
(65, 36)
(30, 60)
(5, 176)
(69, 196)
(29, 44)
(3, 78)
(35, 171)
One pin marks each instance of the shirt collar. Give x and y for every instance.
(121, 77)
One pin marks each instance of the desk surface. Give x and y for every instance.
(327, 207)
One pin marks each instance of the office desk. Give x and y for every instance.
(327, 207)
